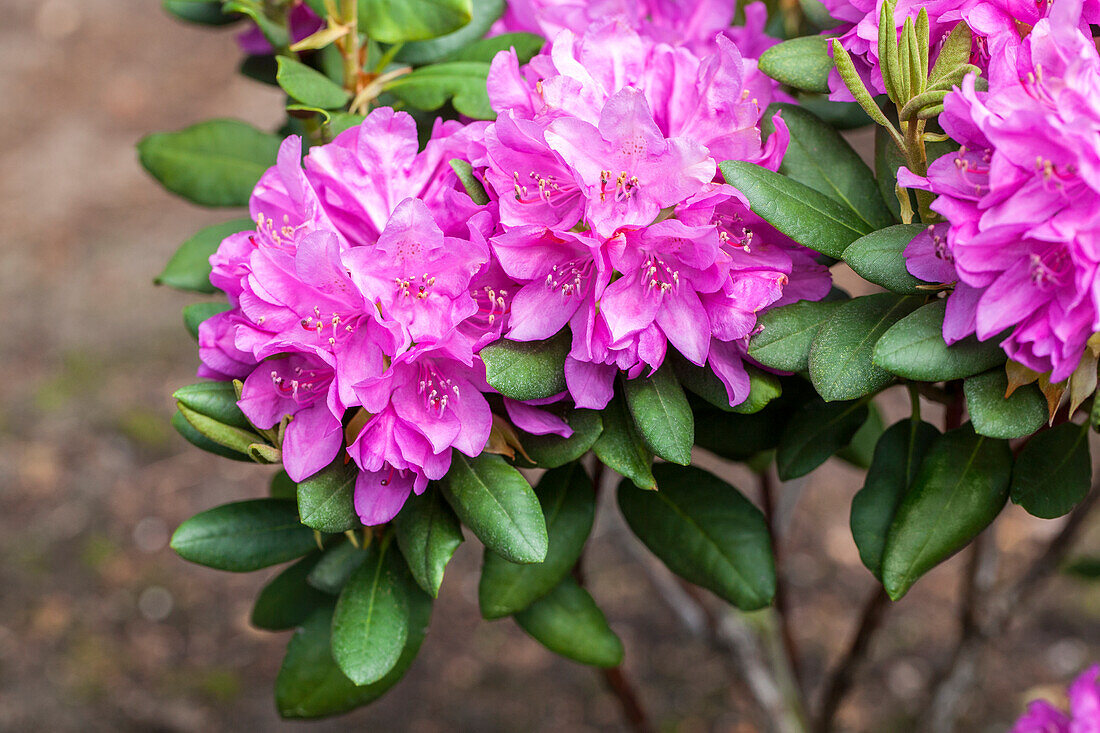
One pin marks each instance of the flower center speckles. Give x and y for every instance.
(547, 189)
(437, 390)
(283, 236)
(1046, 270)
(973, 168)
(660, 277)
(1052, 174)
(491, 303)
(320, 324)
(625, 186)
(301, 385)
(939, 245)
(415, 287)
(569, 279)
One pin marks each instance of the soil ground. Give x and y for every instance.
(104, 628)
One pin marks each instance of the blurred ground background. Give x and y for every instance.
(103, 628)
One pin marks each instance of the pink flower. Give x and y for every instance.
(1084, 713)
(1022, 201)
(301, 22)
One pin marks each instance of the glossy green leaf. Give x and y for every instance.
(569, 504)
(786, 334)
(888, 158)
(428, 533)
(817, 431)
(197, 439)
(823, 160)
(621, 449)
(568, 622)
(841, 115)
(288, 600)
(231, 437)
(705, 531)
(995, 416)
(217, 400)
(860, 451)
(840, 358)
(470, 182)
(498, 505)
(371, 621)
(244, 536)
(662, 415)
(551, 451)
(309, 86)
(959, 490)
(810, 218)
(326, 499)
(340, 121)
(527, 370)
(203, 12)
(702, 381)
(256, 11)
(419, 53)
(897, 458)
(213, 163)
(763, 388)
(311, 685)
(914, 348)
(802, 63)
(282, 487)
(189, 268)
(395, 21)
(196, 313)
(332, 572)
(879, 257)
(1053, 471)
(526, 46)
(741, 437)
(461, 82)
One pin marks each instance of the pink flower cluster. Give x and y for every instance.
(372, 279)
(1084, 709)
(1022, 200)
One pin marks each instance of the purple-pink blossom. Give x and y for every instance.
(1084, 709)
(301, 22)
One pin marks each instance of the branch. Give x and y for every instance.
(628, 700)
(782, 606)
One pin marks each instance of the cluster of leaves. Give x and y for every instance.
(360, 598)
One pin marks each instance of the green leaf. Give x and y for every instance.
(196, 313)
(203, 12)
(1053, 471)
(419, 53)
(568, 622)
(959, 490)
(840, 357)
(897, 457)
(326, 499)
(396, 21)
(309, 86)
(282, 487)
(742, 437)
(705, 531)
(244, 536)
(817, 431)
(371, 621)
(226, 435)
(274, 32)
(551, 451)
(996, 416)
(527, 370)
(428, 534)
(954, 52)
(662, 415)
(217, 400)
(841, 115)
(887, 161)
(860, 451)
(914, 348)
(462, 82)
(1094, 414)
(526, 45)
(763, 386)
(823, 160)
(311, 685)
(288, 600)
(197, 439)
(340, 121)
(213, 163)
(498, 505)
(786, 334)
(810, 218)
(1085, 568)
(331, 573)
(189, 268)
(802, 63)
(621, 449)
(569, 505)
(879, 257)
(470, 182)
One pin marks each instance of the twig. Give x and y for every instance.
(840, 681)
(628, 700)
(782, 605)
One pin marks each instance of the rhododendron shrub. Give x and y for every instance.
(498, 253)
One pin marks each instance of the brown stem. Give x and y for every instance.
(953, 414)
(628, 699)
(840, 681)
(782, 603)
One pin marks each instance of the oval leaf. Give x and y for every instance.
(551, 451)
(817, 431)
(879, 257)
(527, 370)
(621, 449)
(785, 334)
(213, 163)
(309, 86)
(462, 82)
(498, 505)
(326, 500)
(662, 415)
(419, 53)
(197, 439)
(428, 533)
(1053, 472)
(196, 313)
(203, 12)
(569, 505)
(395, 21)
(960, 488)
(914, 348)
(332, 571)
(288, 600)
(213, 399)
(705, 531)
(997, 416)
(840, 358)
(802, 63)
(244, 536)
(568, 622)
(189, 268)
